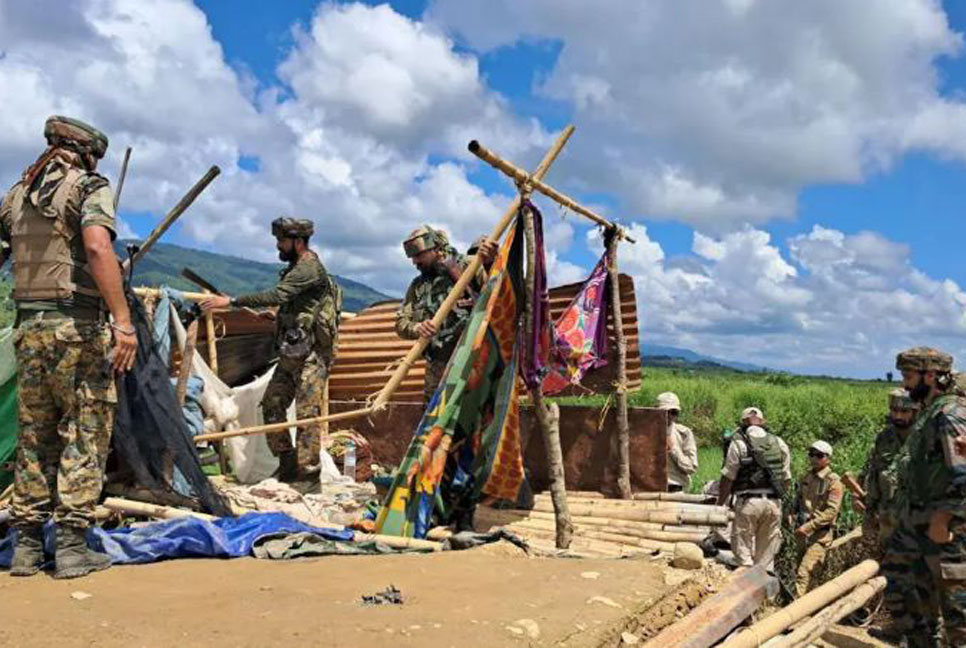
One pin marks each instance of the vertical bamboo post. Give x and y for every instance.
(213, 363)
(548, 418)
(623, 429)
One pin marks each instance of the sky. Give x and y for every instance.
(793, 172)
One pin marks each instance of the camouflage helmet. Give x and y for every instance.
(424, 238)
(84, 137)
(924, 359)
(284, 227)
(899, 399)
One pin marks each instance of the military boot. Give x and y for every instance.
(74, 558)
(288, 466)
(28, 554)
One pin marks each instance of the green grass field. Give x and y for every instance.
(847, 414)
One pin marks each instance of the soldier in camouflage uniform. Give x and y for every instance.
(57, 224)
(819, 498)
(925, 561)
(306, 329)
(880, 472)
(440, 266)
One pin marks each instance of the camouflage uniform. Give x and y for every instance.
(309, 301)
(881, 482)
(66, 391)
(925, 578)
(821, 497)
(424, 296)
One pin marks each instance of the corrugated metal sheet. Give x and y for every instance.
(369, 349)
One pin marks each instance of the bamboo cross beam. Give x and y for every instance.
(273, 428)
(460, 286)
(535, 182)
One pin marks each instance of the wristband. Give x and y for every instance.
(130, 331)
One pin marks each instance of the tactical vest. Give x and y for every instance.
(49, 263)
(926, 477)
(752, 475)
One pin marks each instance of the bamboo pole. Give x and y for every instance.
(492, 513)
(623, 428)
(154, 293)
(693, 498)
(173, 215)
(817, 625)
(581, 524)
(658, 515)
(121, 178)
(212, 342)
(7, 494)
(521, 177)
(132, 507)
(416, 351)
(187, 357)
(610, 549)
(599, 533)
(643, 505)
(274, 428)
(548, 416)
(720, 613)
(797, 610)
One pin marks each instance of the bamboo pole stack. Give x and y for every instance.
(613, 525)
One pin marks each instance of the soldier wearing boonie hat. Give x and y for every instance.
(925, 559)
(818, 499)
(57, 222)
(306, 331)
(681, 447)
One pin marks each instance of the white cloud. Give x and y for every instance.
(373, 101)
(719, 112)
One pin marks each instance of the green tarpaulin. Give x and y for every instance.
(8, 406)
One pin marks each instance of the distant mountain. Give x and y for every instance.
(656, 355)
(230, 274)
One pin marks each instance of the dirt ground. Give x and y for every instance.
(470, 598)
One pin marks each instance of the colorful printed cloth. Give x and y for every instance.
(580, 334)
(468, 441)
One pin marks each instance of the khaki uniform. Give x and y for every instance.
(309, 302)
(756, 533)
(821, 497)
(682, 457)
(424, 296)
(66, 391)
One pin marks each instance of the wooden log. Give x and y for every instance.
(416, 351)
(816, 626)
(548, 416)
(719, 614)
(173, 215)
(521, 177)
(664, 516)
(797, 610)
(623, 428)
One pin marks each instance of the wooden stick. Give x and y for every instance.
(416, 351)
(815, 627)
(644, 505)
(509, 514)
(274, 428)
(212, 342)
(664, 516)
(693, 498)
(120, 179)
(623, 428)
(173, 215)
(520, 176)
(548, 417)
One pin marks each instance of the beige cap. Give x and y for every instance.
(822, 447)
(668, 401)
(748, 412)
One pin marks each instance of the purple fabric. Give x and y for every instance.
(536, 350)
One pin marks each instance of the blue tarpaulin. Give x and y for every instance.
(186, 537)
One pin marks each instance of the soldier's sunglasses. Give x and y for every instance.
(816, 453)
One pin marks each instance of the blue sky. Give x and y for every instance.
(793, 172)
